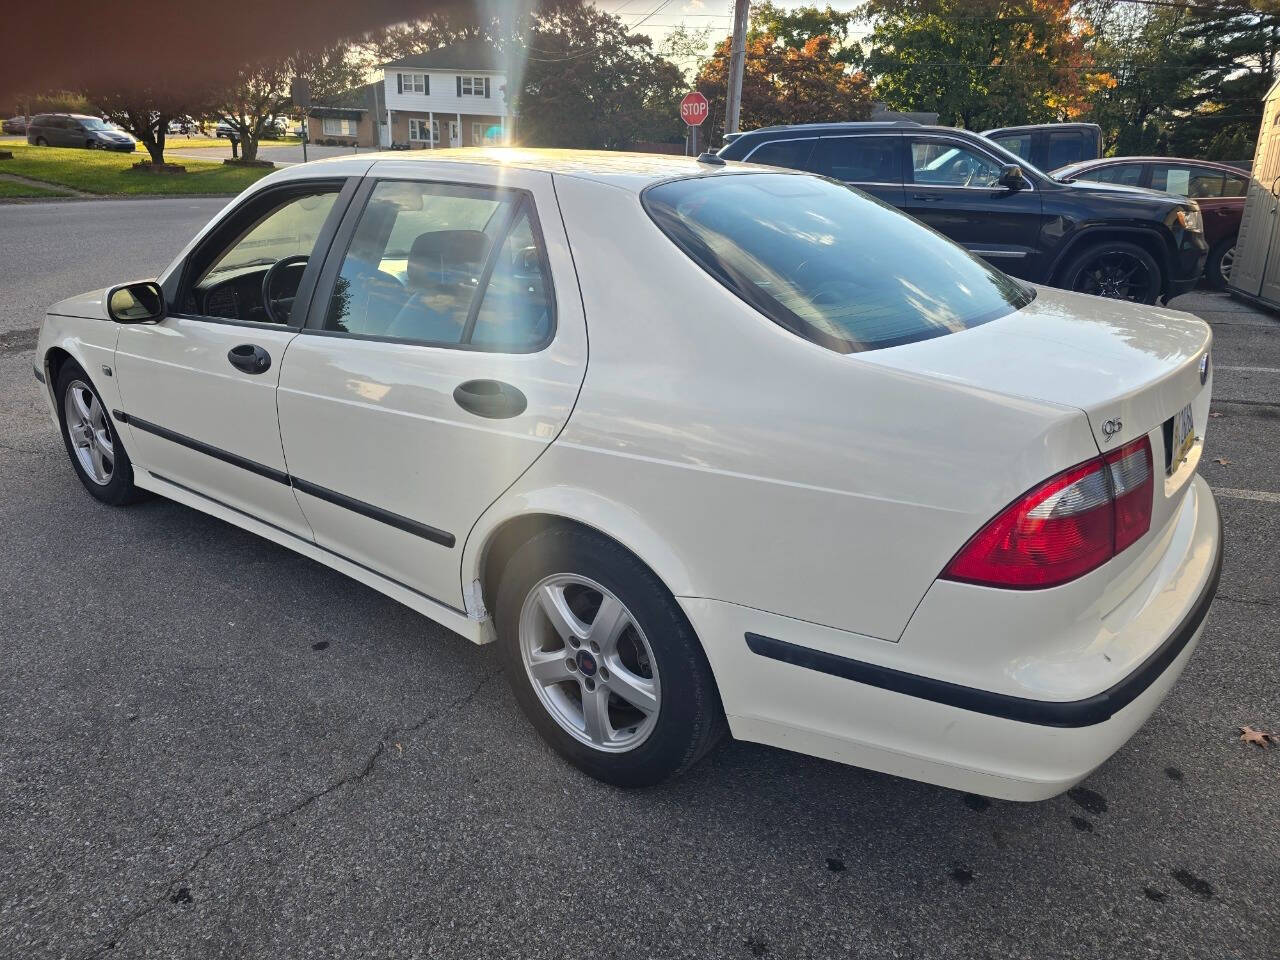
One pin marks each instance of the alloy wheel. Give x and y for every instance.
(1116, 275)
(90, 432)
(1224, 265)
(589, 663)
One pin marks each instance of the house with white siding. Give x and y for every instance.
(451, 97)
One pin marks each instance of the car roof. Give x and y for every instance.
(845, 126)
(632, 171)
(1108, 161)
(1041, 126)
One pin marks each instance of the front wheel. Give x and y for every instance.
(603, 661)
(1217, 269)
(41, 142)
(1116, 270)
(95, 449)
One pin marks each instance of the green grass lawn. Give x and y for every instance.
(10, 189)
(179, 142)
(96, 171)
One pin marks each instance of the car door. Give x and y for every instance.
(199, 387)
(442, 355)
(870, 162)
(954, 187)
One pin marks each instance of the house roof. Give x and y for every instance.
(348, 105)
(479, 55)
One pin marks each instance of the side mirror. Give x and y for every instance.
(1011, 177)
(139, 302)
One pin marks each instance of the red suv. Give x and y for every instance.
(1219, 189)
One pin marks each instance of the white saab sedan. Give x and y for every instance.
(699, 444)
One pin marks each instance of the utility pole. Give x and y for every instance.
(737, 62)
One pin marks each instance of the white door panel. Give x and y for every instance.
(175, 377)
(391, 470)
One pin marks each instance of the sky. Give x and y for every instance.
(657, 18)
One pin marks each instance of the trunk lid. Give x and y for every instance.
(1131, 369)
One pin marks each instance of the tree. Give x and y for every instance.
(982, 63)
(258, 94)
(145, 112)
(785, 84)
(590, 83)
(799, 25)
(1234, 54)
(1144, 49)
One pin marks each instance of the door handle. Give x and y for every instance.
(926, 197)
(250, 358)
(490, 398)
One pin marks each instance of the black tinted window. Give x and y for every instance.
(783, 153)
(1019, 143)
(829, 263)
(858, 159)
(1065, 147)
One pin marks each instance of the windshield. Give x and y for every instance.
(830, 263)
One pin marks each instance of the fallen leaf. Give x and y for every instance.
(1222, 460)
(399, 748)
(1250, 735)
(1215, 416)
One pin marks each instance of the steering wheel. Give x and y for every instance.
(271, 304)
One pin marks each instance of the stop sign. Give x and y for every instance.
(694, 109)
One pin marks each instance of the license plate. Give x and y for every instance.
(1184, 438)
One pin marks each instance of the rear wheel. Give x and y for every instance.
(1217, 269)
(96, 453)
(1116, 270)
(41, 142)
(603, 661)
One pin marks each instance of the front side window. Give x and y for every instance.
(939, 163)
(228, 273)
(783, 153)
(445, 265)
(858, 159)
(828, 263)
(1129, 174)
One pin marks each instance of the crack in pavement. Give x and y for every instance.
(354, 777)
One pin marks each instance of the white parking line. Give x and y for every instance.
(1265, 496)
(1251, 369)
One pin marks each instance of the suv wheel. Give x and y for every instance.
(1217, 269)
(603, 661)
(1116, 270)
(41, 142)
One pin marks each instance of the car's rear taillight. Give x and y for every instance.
(1070, 524)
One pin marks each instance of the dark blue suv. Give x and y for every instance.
(1105, 239)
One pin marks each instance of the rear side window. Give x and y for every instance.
(858, 159)
(783, 153)
(1065, 146)
(828, 263)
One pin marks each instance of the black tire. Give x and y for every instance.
(41, 142)
(119, 489)
(690, 719)
(1215, 273)
(1116, 270)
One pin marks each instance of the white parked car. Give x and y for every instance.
(698, 444)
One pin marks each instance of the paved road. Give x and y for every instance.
(210, 747)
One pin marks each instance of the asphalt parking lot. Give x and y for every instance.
(211, 747)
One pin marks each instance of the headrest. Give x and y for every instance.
(434, 255)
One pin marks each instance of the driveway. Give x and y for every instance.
(211, 747)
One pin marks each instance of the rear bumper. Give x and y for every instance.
(876, 704)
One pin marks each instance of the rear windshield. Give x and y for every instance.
(829, 263)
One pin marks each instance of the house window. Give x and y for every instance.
(477, 134)
(414, 83)
(339, 128)
(418, 130)
(473, 86)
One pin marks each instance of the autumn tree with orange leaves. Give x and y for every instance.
(983, 63)
(785, 84)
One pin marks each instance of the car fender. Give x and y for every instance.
(543, 492)
(1083, 234)
(80, 328)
